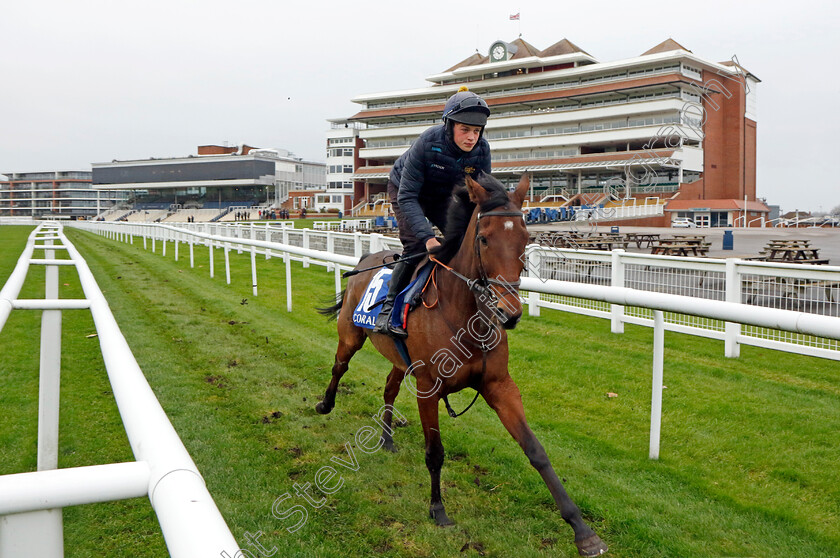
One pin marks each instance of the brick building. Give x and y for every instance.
(628, 137)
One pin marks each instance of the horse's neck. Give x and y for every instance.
(464, 262)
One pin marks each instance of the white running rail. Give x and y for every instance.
(729, 309)
(30, 503)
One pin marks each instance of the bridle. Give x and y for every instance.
(485, 280)
(480, 286)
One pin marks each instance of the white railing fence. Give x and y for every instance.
(617, 212)
(806, 288)
(612, 285)
(811, 289)
(31, 503)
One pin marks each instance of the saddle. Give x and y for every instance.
(366, 312)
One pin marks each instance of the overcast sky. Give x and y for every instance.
(85, 81)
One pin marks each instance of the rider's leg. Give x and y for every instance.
(399, 280)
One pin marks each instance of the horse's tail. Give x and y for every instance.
(331, 312)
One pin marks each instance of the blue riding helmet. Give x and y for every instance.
(466, 107)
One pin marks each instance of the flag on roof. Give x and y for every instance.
(514, 16)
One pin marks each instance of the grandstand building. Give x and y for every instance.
(54, 195)
(217, 177)
(632, 135)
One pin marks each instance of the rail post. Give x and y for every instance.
(656, 388)
(732, 331)
(254, 260)
(534, 262)
(305, 245)
(288, 283)
(227, 262)
(617, 280)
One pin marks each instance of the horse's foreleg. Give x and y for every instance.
(392, 389)
(349, 342)
(505, 399)
(434, 456)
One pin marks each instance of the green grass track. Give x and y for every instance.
(750, 458)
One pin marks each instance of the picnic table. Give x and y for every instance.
(557, 239)
(601, 241)
(647, 238)
(792, 251)
(789, 292)
(683, 249)
(681, 246)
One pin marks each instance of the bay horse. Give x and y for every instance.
(473, 297)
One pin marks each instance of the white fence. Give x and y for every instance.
(30, 503)
(805, 288)
(699, 296)
(616, 212)
(809, 289)
(18, 221)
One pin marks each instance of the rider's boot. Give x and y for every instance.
(400, 278)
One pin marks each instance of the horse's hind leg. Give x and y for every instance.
(503, 396)
(392, 389)
(350, 340)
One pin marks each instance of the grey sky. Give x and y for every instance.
(87, 81)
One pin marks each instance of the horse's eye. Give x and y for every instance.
(483, 240)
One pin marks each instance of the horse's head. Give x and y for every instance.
(499, 238)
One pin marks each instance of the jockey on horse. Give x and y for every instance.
(421, 183)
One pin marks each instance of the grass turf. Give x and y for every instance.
(747, 467)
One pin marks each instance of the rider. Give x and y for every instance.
(422, 180)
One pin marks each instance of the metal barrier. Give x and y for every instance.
(608, 283)
(806, 288)
(30, 503)
(811, 289)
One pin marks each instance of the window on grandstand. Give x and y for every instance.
(541, 154)
(692, 71)
(398, 142)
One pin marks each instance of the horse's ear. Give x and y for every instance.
(518, 196)
(477, 192)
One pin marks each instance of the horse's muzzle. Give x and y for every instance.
(508, 321)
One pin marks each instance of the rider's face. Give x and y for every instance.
(465, 136)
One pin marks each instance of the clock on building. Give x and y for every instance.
(498, 52)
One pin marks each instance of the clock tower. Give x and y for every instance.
(501, 51)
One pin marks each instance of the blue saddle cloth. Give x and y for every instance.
(366, 312)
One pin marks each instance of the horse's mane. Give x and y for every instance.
(461, 209)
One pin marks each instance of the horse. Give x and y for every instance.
(473, 296)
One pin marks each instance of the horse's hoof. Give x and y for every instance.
(389, 446)
(591, 546)
(322, 409)
(439, 515)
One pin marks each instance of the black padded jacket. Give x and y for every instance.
(429, 170)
